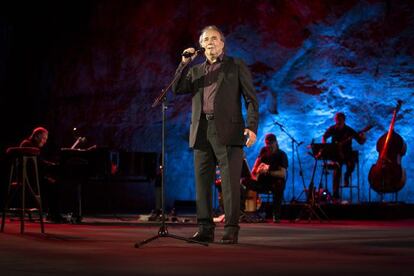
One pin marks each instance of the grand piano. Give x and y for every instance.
(97, 171)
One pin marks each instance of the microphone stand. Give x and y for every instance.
(163, 231)
(295, 146)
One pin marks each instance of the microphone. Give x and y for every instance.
(198, 51)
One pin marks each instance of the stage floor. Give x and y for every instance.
(105, 246)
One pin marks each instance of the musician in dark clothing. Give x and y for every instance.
(269, 173)
(342, 135)
(49, 189)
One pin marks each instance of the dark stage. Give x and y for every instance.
(105, 246)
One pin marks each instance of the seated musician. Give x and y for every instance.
(269, 173)
(48, 186)
(342, 135)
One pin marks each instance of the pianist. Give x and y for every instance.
(48, 185)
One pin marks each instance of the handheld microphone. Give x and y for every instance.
(188, 54)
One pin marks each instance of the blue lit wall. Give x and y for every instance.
(99, 67)
(356, 63)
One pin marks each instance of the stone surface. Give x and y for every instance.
(101, 70)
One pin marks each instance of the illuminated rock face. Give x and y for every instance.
(308, 62)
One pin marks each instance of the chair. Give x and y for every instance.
(24, 175)
(267, 195)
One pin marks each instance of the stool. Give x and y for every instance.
(352, 184)
(252, 204)
(19, 176)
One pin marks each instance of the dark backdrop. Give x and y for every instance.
(98, 65)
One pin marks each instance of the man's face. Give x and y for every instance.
(271, 144)
(211, 41)
(339, 121)
(42, 139)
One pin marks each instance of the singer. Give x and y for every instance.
(218, 131)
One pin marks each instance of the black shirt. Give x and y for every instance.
(41, 158)
(342, 136)
(273, 159)
(211, 71)
(343, 139)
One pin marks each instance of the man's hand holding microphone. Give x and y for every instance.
(190, 54)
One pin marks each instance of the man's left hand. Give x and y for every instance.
(251, 139)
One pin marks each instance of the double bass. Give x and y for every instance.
(387, 175)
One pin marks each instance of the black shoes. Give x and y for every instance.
(276, 219)
(230, 237)
(56, 218)
(203, 237)
(155, 215)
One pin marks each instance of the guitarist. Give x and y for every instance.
(269, 173)
(342, 135)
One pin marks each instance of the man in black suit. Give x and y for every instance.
(217, 131)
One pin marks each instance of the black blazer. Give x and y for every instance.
(234, 81)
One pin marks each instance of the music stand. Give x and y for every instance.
(311, 207)
(163, 231)
(325, 151)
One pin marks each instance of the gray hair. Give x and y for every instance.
(211, 27)
(37, 132)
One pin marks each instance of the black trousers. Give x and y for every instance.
(266, 184)
(349, 162)
(208, 152)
